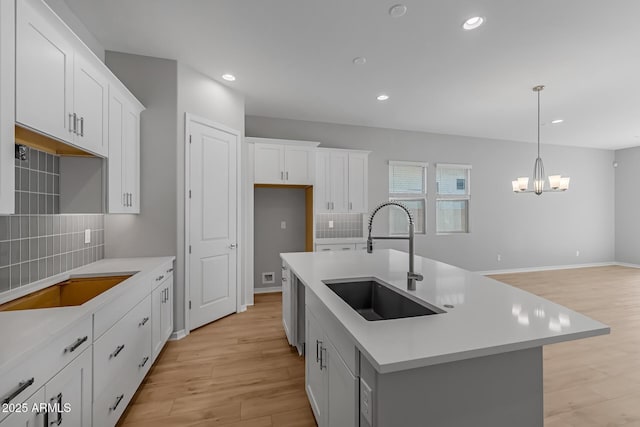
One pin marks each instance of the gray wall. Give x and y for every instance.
(62, 10)
(526, 230)
(167, 90)
(628, 205)
(271, 207)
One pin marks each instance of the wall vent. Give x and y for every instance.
(268, 278)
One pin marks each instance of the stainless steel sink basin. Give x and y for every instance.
(376, 300)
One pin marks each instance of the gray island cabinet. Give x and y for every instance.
(476, 361)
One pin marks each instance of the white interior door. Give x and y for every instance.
(212, 223)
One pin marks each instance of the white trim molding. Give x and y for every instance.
(547, 268)
(268, 290)
(178, 335)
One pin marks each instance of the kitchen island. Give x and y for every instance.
(476, 362)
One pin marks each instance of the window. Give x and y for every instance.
(408, 185)
(452, 198)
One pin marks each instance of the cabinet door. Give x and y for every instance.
(339, 181)
(70, 392)
(342, 390)
(91, 103)
(314, 373)
(157, 306)
(26, 417)
(44, 70)
(322, 187)
(7, 105)
(299, 165)
(269, 164)
(131, 158)
(358, 173)
(116, 202)
(167, 310)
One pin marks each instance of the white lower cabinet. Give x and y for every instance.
(161, 312)
(68, 394)
(24, 415)
(331, 386)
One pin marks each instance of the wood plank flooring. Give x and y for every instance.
(240, 371)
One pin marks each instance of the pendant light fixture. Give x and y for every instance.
(556, 182)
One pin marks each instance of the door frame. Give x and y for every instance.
(188, 119)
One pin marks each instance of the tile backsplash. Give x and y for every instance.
(38, 242)
(345, 225)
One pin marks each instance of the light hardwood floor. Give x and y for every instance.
(239, 371)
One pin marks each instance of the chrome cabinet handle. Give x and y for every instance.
(75, 123)
(117, 352)
(159, 277)
(58, 406)
(317, 351)
(143, 322)
(170, 270)
(282, 175)
(81, 126)
(165, 292)
(124, 199)
(233, 246)
(144, 362)
(284, 279)
(22, 386)
(350, 206)
(287, 175)
(76, 344)
(70, 122)
(115, 405)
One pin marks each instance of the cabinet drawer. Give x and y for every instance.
(336, 247)
(161, 274)
(119, 348)
(111, 403)
(108, 315)
(21, 381)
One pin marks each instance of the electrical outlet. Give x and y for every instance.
(330, 224)
(366, 406)
(87, 236)
(499, 257)
(283, 225)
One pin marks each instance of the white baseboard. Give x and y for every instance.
(178, 335)
(627, 264)
(267, 290)
(548, 268)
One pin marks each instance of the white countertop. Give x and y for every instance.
(24, 331)
(489, 317)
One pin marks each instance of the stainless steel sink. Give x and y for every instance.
(376, 300)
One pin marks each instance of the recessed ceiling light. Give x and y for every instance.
(473, 23)
(382, 97)
(556, 121)
(229, 77)
(359, 60)
(398, 10)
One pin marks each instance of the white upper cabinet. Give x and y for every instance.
(90, 104)
(44, 72)
(62, 88)
(341, 181)
(7, 105)
(123, 194)
(284, 162)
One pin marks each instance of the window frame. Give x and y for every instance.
(410, 197)
(454, 197)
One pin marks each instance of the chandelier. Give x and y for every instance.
(556, 182)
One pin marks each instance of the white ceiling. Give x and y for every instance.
(293, 59)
